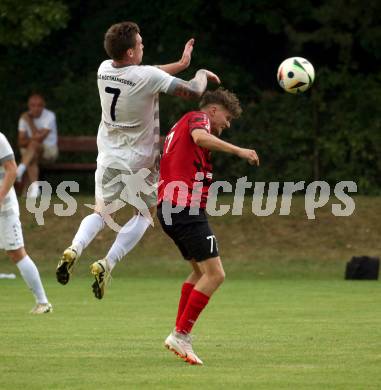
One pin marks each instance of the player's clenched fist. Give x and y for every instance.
(250, 155)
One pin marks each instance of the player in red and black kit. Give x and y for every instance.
(185, 177)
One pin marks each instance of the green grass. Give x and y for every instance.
(284, 318)
(250, 246)
(267, 334)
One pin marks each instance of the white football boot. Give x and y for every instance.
(42, 308)
(181, 345)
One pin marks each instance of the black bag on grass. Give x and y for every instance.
(363, 268)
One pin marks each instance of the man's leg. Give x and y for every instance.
(187, 288)
(134, 229)
(179, 341)
(87, 231)
(28, 155)
(125, 241)
(212, 277)
(33, 175)
(31, 276)
(33, 170)
(130, 234)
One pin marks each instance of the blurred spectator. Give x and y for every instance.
(37, 139)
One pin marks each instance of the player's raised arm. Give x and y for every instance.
(218, 108)
(193, 89)
(211, 142)
(182, 63)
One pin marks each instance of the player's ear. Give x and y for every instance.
(130, 53)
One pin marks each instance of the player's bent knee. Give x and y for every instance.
(215, 280)
(17, 254)
(219, 277)
(219, 273)
(215, 272)
(34, 146)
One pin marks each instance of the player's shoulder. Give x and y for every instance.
(193, 116)
(106, 64)
(3, 138)
(198, 120)
(150, 70)
(198, 116)
(4, 143)
(48, 114)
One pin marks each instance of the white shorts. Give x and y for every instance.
(11, 237)
(137, 188)
(49, 153)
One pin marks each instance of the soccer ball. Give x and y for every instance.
(295, 74)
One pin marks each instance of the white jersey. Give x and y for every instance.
(129, 132)
(10, 203)
(47, 120)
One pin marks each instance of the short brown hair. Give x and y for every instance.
(223, 97)
(36, 94)
(119, 38)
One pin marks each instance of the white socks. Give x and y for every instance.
(20, 171)
(33, 190)
(88, 229)
(127, 238)
(30, 274)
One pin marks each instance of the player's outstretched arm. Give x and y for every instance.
(194, 88)
(182, 63)
(10, 168)
(211, 142)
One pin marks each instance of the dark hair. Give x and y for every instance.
(119, 38)
(223, 97)
(36, 94)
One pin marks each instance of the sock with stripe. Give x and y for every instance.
(195, 305)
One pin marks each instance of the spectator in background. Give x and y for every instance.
(37, 139)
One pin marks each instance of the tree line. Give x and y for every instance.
(331, 133)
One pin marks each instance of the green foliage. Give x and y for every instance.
(321, 135)
(330, 133)
(77, 118)
(25, 22)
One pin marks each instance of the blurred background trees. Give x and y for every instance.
(332, 132)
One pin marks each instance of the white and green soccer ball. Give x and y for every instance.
(295, 74)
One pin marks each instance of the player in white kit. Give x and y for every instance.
(128, 144)
(11, 237)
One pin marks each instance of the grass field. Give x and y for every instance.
(284, 318)
(254, 335)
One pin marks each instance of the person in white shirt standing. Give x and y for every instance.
(11, 237)
(37, 140)
(128, 142)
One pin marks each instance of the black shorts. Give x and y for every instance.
(191, 233)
